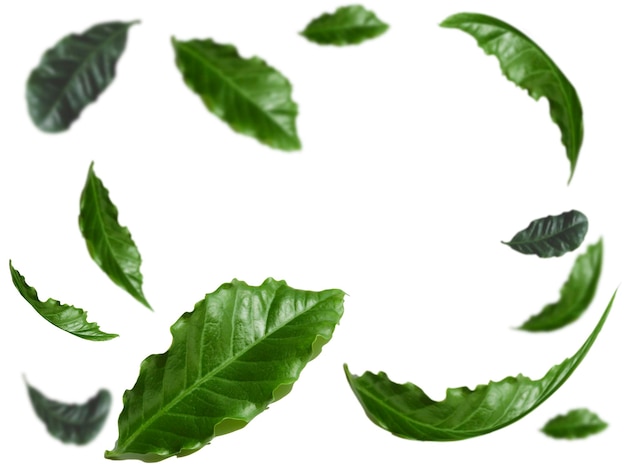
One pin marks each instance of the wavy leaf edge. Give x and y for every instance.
(574, 144)
(575, 360)
(29, 293)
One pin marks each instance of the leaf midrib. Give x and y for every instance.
(210, 375)
(343, 28)
(100, 220)
(547, 237)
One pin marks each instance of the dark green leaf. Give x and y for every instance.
(528, 66)
(249, 95)
(68, 318)
(109, 244)
(406, 411)
(576, 294)
(553, 235)
(73, 73)
(78, 424)
(239, 350)
(575, 424)
(348, 25)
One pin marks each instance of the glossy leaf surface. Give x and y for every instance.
(406, 411)
(576, 424)
(73, 73)
(240, 349)
(110, 245)
(68, 318)
(528, 66)
(553, 235)
(72, 423)
(576, 294)
(348, 25)
(249, 95)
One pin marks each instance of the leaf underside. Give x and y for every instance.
(346, 26)
(524, 63)
(406, 411)
(66, 317)
(249, 95)
(72, 423)
(73, 73)
(575, 296)
(110, 245)
(240, 349)
(553, 235)
(576, 424)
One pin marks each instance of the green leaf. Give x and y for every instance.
(576, 424)
(249, 95)
(72, 423)
(553, 235)
(239, 350)
(348, 25)
(576, 294)
(406, 411)
(68, 318)
(528, 66)
(73, 74)
(109, 244)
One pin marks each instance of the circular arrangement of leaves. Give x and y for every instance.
(243, 347)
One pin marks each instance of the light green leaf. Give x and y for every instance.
(406, 411)
(72, 423)
(348, 25)
(576, 294)
(553, 235)
(528, 66)
(73, 73)
(110, 245)
(68, 318)
(249, 95)
(576, 424)
(239, 350)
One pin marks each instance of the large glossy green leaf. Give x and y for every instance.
(73, 73)
(528, 66)
(239, 350)
(406, 411)
(68, 318)
(553, 235)
(72, 423)
(576, 294)
(249, 95)
(109, 244)
(576, 424)
(348, 25)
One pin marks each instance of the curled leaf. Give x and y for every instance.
(553, 235)
(406, 411)
(68, 318)
(110, 245)
(576, 424)
(348, 25)
(73, 73)
(576, 294)
(240, 349)
(72, 423)
(528, 66)
(249, 95)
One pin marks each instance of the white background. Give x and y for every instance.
(418, 158)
